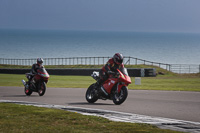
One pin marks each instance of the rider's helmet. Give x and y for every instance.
(39, 61)
(118, 58)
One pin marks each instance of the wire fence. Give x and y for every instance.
(185, 68)
(177, 68)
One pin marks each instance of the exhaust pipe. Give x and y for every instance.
(24, 83)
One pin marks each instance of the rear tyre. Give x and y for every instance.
(42, 89)
(27, 91)
(91, 94)
(120, 97)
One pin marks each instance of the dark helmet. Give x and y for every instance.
(118, 58)
(39, 61)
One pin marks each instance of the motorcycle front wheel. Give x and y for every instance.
(42, 89)
(27, 91)
(91, 95)
(120, 97)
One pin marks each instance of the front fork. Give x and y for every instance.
(119, 86)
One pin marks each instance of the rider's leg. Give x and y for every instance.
(29, 79)
(103, 77)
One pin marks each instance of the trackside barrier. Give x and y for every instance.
(176, 68)
(145, 72)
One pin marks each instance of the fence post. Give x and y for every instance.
(189, 68)
(199, 68)
(136, 61)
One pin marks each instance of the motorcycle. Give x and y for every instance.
(37, 83)
(114, 88)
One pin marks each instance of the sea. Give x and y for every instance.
(170, 48)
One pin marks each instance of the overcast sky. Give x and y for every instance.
(111, 15)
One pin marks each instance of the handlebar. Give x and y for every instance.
(114, 74)
(111, 72)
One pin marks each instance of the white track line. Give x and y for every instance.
(164, 123)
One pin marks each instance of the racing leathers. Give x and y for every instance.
(34, 70)
(109, 68)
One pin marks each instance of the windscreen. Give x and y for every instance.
(124, 71)
(42, 70)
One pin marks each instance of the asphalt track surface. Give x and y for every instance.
(168, 104)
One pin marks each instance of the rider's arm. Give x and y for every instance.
(107, 67)
(33, 69)
(122, 65)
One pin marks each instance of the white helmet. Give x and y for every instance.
(39, 61)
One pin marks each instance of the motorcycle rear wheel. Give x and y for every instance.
(90, 95)
(42, 89)
(119, 98)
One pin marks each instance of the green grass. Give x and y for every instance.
(170, 84)
(168, 81)
(21, 118)
(175, 83)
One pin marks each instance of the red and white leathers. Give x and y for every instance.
(110, 66)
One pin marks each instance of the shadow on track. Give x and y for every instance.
(20, 96)
(86, 103)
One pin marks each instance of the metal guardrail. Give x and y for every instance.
(80, 61)
(185, 68)
(177, 68)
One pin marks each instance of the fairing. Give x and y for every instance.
(42, 74)
(122, 80)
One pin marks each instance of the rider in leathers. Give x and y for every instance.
(114, 63)
(35, 67)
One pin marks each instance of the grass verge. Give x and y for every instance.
(172, 83)
(168, 81)
(22, 118)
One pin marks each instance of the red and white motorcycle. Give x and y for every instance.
(114, 88)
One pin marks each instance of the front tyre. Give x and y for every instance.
(91, 95)
(42, 89)
(119, 98)
(27, 91)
